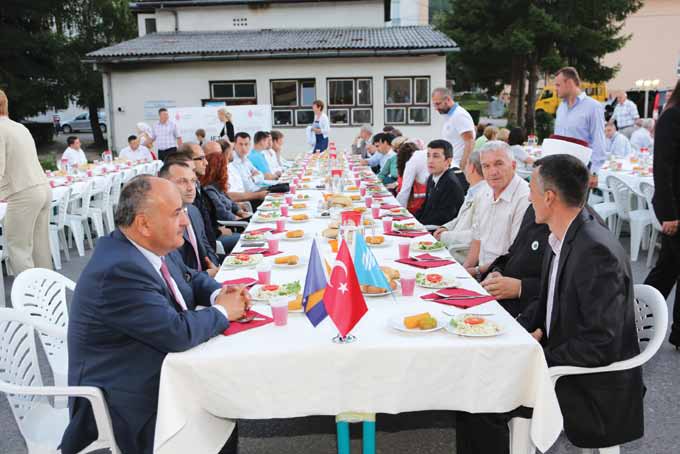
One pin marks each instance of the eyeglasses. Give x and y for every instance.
(200, 158)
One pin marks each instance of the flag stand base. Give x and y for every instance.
(344, 340)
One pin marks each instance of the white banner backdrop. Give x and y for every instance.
(248, 119)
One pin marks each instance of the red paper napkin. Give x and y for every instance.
(426, 264)
(401, 218)
(257, 250)
(380, 196)
(407, 234)
(463, 303)
(262, 230)
(235, 328)
(389, 206)
(247, 281)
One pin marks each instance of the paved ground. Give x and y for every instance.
(421, 432)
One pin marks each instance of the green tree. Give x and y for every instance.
(31, 72)
(510, 41)
(91, 25)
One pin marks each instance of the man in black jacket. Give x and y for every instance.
(666, 272)
(444, 193)
(584, 315)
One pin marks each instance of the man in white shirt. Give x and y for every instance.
(625, 114)
(73, 155)
(642, 137)
(458, 128)
(165, 135)
(271, 157)
(134, 151)
(501, 208)
(277, 148)
(457, 234)
(242, 174)
(618, 145)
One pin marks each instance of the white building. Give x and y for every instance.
(286, 53)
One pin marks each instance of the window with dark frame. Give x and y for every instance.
(407, 100)
(234, 93)
(350, 101)
(150, 25)
(292, 102)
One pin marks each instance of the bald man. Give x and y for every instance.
(135, 302)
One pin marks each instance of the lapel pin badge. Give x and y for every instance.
(534, 246)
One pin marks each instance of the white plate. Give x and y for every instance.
(256, 258)
(452, 330)
(447, 282)
(260, 237)
(385, 243)
(267, 208)
(304, 237)
(255, 294)
(414, 247)
(352, 190)
(293, 221)
(299, 209)
(302, 261)
(397, 323)
(370, 295)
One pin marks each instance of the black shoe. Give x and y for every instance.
(674, 338)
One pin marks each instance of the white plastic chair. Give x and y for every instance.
(127, 175)
(100, 206)
(638, 219)
(606, 209)
(651, 322)
(116, 186)
(648, 191)
(57, 228)
(77, 218)
(41, 425)
(41, 293)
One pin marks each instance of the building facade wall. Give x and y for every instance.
(366, 13)
(186, 84)
(653, 51)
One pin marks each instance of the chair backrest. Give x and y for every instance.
(128, 174)
(41, 293)
(80, 203)
(116, 185)
(101, 187)
(19, 363)
(648, 191)
(62, 208)
(651, 321)
(622, 196)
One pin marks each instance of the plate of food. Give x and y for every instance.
(471, 325)
(408, 226)
(377, 241)
(352, 189)
(398, 212)
(294, 235)
(372, 290)
(298, 218)
(435, 280)
(242, 260)
(267, 216)
(416, 323)
(289, 261)
(429, 246)
(258, 236)
(274, 205)
(303, 197)
(267, 292)
(298, 206)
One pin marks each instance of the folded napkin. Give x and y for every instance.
(381, 196)
(257, 250)
(389, 206)
(401, 218)
(262, 230)
(462, 303)
(426, 264)
(405, 234)
(235, 328)
(247, 281)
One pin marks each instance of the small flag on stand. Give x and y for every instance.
(343, 298)
(315, 286)
(367, 268)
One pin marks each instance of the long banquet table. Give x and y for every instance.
(296, 370)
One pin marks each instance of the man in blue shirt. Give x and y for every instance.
(618, 145)
(383, 143)
(257, 158)
(581, 117)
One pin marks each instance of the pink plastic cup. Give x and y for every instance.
(279, 311)
(280, 225)
(264, 274)
(387, 225)
(403, 250)
(362, 191)
(284, 210)
(273, 244)
(369, 201)
(408, 285)
(289, 199)
(376, 212)
(357, 182)
(293, 188)
(52, 184)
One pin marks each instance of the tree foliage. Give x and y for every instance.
(506, 41)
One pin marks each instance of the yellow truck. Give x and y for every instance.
(548, 101)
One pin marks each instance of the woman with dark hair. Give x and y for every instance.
(666, 272)
(415, 172)
(516, 141)
(214, 183)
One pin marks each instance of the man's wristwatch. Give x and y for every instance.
(478, 274)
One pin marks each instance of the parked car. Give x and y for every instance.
(81, 122)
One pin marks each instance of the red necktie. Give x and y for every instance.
(194, 244)
(168, 281)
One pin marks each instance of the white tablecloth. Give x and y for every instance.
(293, 371)
(632, 179)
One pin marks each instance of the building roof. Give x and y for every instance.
(152, 4)
(265, 44)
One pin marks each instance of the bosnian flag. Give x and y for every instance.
(343, 298)
(315, 286)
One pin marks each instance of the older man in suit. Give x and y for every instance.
(134, 303)
(584, 314)
(196, 252)
(24, 185)
(444, 192)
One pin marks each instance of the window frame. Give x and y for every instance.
(299, 106)
(407, 107)
(427, 99)
(370, 110)
(234, 100)
(350, 107)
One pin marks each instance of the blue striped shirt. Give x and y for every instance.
(585, 121)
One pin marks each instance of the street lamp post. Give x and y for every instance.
(647, 85)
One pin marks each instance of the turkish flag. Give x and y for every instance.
(343, 298)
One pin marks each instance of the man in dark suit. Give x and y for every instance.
(134, 303)
(444, 193)
(584, 315)
(197, 252)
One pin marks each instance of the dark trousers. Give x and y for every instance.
(162, 154)
(231, 447)
(666, 274)
(486, 433)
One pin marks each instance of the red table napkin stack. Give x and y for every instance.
(430, 263)
(462, 303)
(235, 328)
(262, 230)
(257, 250)
(407, 234)
(388, 206)
(247, 281)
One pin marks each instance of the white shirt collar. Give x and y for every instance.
(555, 243)
(155, 260)
(509, 190)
